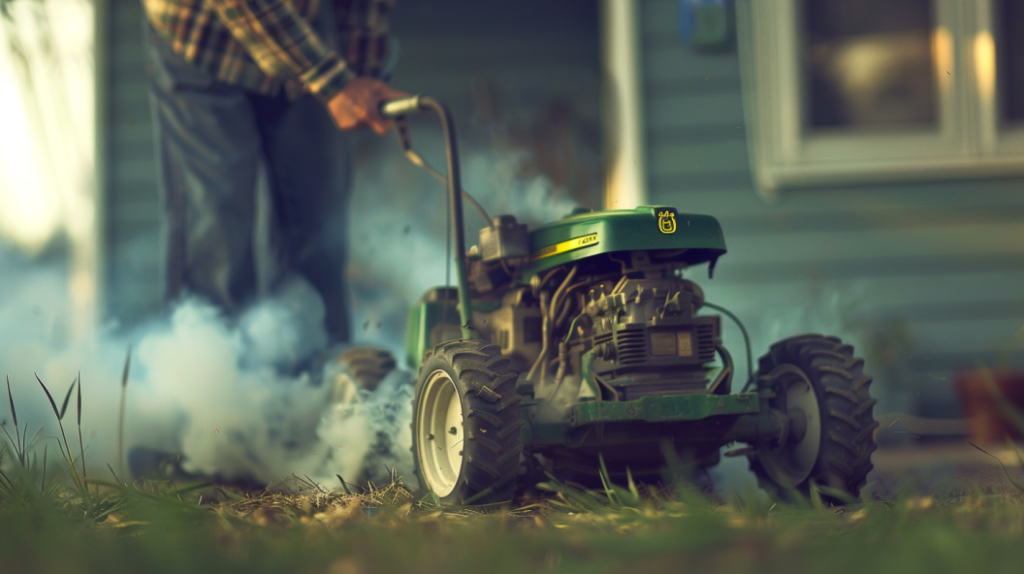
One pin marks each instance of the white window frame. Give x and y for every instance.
(968, 143)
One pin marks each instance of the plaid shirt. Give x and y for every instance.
(267, 45)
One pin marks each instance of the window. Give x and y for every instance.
(851, 91)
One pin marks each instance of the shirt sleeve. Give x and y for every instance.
(283, 44)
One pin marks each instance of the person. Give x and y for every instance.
(249, 89)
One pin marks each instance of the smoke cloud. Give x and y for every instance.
(205, 388)
(225, 394)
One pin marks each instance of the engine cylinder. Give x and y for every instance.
(648, 338)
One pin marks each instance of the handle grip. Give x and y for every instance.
(401, 107)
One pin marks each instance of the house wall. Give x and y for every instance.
(924, 278)
(131, 216)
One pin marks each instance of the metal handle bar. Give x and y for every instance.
(400, 107)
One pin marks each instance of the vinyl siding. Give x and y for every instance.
(132, 281)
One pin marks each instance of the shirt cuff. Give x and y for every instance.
(327, 77)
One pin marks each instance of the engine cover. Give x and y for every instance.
(697, 238)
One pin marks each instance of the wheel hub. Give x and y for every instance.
(440, 433)
(797, 425)
(792, 462)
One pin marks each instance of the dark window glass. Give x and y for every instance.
(1010, 57)
(868, 64)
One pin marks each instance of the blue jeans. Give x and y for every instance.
(211, 139)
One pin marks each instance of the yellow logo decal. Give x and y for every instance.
(570, 245)
(667, 222)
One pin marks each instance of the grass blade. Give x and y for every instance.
(10, 400)
(116, 479)
(478, 496)
(121, 411)
(606, 481)
(19, 451)
(191, 488)
(632, 486)
(1016, 484)
(81, 445)
(837, 493)
(67, 397)
(64, 450)
(66, 446)
(816, 500)
(232, 496)
(580, 497)
(127, 367)
(343, 485)
(53, 404)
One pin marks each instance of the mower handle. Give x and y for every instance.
(401, 106)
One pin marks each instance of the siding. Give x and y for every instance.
(132, 287)
(934, 272)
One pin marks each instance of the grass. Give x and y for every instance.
(64, 522)
(164, 528)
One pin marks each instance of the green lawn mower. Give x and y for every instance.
(579, 348)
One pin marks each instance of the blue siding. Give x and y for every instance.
(132, 286)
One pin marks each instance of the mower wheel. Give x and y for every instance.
(821, 387)
(466, 443)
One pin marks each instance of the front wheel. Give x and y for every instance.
(821, 388)
(466, 442)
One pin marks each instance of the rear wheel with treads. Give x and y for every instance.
(466, 443)
(820, 385)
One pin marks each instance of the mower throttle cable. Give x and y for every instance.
(402, 130)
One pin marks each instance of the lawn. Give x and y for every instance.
(300, 527)
(67, 522)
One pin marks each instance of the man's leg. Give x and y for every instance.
(309, 165)
(209, 152)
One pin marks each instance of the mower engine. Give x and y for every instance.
(647, 339)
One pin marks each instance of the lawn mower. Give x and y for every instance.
(581, 349)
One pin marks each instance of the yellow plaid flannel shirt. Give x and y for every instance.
(267, 45)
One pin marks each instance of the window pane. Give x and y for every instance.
(1010, 29)
(868, 64)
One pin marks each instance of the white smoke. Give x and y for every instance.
(496, 181)
(224, 395)
(208, 390)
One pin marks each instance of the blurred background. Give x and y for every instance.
(865, 159)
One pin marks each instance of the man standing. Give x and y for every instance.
(240, 85)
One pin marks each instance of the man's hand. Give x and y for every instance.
(357, 105)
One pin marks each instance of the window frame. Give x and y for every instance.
(969, 142)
